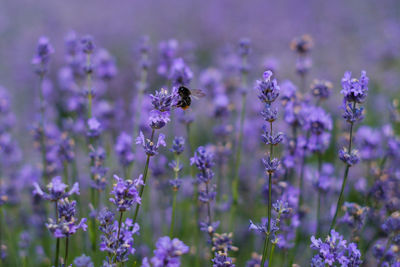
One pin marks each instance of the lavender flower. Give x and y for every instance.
(221, 259)
(66, 225)
(223, 243)
(321, 89)
(302, 44)
(123, 148)
(168, 50)
(125, 193)
(119, 246)
(335, 250)
(354, 90)
(56, 190)
(87, 44)
(268, 88)
(178, 145)
(349, 158)
(42, 57)
(83, 261)
(105, 65)
(66, 148)
(271, 164)
(180, 74)
(94, 128)
(149, 147)
(98, 170)
(168, 252)
(355, 215)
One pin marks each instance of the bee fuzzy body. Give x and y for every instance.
(185, 97)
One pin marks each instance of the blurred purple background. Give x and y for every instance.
(354, 35)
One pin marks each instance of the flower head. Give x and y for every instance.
(271, 164)
(56, 190)
(94, 128)
(178, 145)
(354, 90)
(335, 251)
(125, 193)
(180, 74)
(302, 44)
(42, 56)
(87, 44)
(119, 246)
(123, 147)
(162, 100)
(351, 158)
(150, 147)
(83, 261)
(168, 252)
(268, 88)
(321, 89)
(222, 259)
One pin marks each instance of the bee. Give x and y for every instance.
(185, 96)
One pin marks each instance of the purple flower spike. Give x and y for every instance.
(56, 190)
(335, 251)
(125, 193)
(150, 148)
(168, 252)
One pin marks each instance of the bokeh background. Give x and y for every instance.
(348, 35)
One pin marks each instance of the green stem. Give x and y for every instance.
(57, 252)
(271, 254)
(42, 128)
(346, 173)
(339, 202)
(176, 171)
(145, 172)
(319, 195)
(171, 230)
(389, 241)
(265, 249)
(58, 239)
(66, 252)
(119, 230)
(89, 86)
(93, 220)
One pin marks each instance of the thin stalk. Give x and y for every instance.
(42, 127)
(265, 252)
(89, 86)
(145, 172)
(235, 182)
(346, 173)
(119, 230)
(66, 252)
(319, 195)
(339, 202)
(171, 229)
(386, 249)
(57, 252)
(271, 254)
(58, 240)
(175, 190)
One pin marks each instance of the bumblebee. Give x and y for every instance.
(185, 96)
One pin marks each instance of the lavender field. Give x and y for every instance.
(200, 133)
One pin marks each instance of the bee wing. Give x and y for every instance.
(197, 93)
